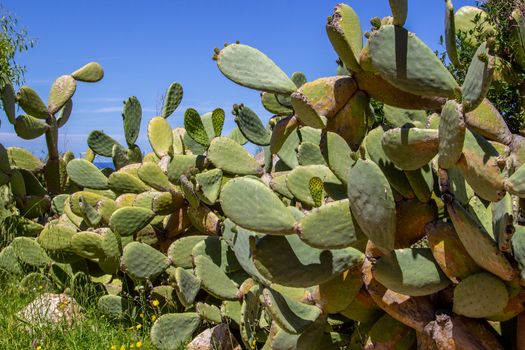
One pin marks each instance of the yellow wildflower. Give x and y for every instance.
(138, 344)
(139, 326)
(132, 346)
(113, 347)
(141, 315)
(39, 348)
(155, 303)
(153, 317)
(122, 347)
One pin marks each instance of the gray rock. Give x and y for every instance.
(218, 337)
(50, 310)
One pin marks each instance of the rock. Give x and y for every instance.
(51, 309)
(218, 337)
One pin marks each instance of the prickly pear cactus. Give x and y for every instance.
(342, 233)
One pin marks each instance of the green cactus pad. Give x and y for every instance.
(87, 245)
(272, 105)
(240, 242)
(450, 34)
(184, 165)
(422, 182)
(142, 262)
(36, 281)
(65, 113)
(101, 143)
(231, 157)
(310, 154)
(89, 73)
(163, 336)
(480, 295)
(91, 215)
(288, 261)
(298, 180)
(22, 159)
(480, 167)
(345, 34)
(407, 63)
(218, 251)
(292, 316)
(172, 99)
(329, 227)
(166, 203)
(487, 121)
(209, 183)
(410, 148)
(28, 127)
(131, 116)
(55, 238)
(480, 245)
(160, 136)
(337, 154)
(372, 203)
(85, 174)
(105, 206)
(186, 286)
(8, 97)
(251, 126)
(410, 271)
(9, 262)
(61, 91)
(195, 128)
(478, 78)
(399, 117)
(214, 280)
(251, 68)
(30, 252)
(180, 251)
(396, 177)
(451, 134)
(252, 205)
(31, 103)
(210, 313)
(115, 307)
(217, 117)
(120, 182)
(129, 220)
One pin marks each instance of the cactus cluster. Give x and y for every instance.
(339, 234)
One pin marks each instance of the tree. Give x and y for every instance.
(14, 39)
(507, 91)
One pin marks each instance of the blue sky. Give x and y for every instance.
(144, 46)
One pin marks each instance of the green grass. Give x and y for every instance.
(94, 332)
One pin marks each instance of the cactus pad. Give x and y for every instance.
(141, 262)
